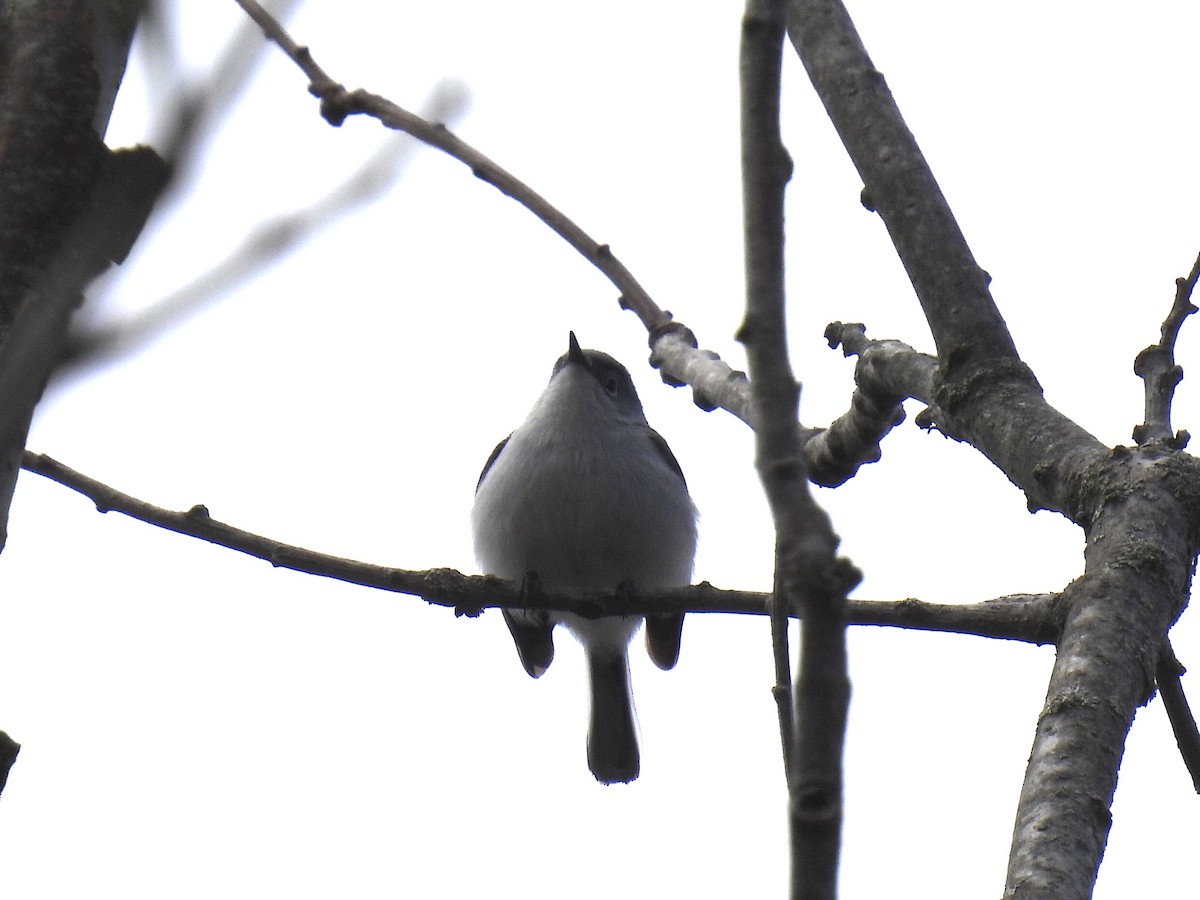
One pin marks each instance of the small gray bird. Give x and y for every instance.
(587, 496)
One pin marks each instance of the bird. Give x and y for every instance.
(585, 495)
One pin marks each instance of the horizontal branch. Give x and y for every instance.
(1032, 618)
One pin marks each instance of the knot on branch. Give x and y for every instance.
(680, 332)
(815, 803)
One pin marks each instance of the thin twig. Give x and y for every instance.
(1157, 368)
(808, 575)
(680, 360)
(1187, 736)
(337, 103)
(269, 242)
(674, 348)
(1032, 618)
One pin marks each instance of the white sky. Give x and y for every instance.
(196, 724)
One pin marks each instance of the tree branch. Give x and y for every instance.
(887, 373)
(1170, 687)
(1156, 367)
(338, 103)
(766, 169)
(674, 347)
(1139, 509)
(979, 370)
(1136, 578)
(69, 207)
(833, 458)
(808, 575)
(952, 288)
(1031, 618)
(266, 244)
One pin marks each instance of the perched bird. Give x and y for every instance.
(585, 495)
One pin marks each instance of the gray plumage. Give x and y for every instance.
(587, 496)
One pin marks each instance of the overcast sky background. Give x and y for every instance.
(197, 724)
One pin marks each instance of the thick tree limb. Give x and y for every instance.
(68, 206)
(1138, 569)
(1140, 509)
(979, 369)
(952, 288)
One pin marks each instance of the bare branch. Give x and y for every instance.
(1156, 367)
(952, 288)
(714, 383)
(766, 169)
(1031, 618)
(808, 575)
(1138, 568)
(673, 345)
(68, 206)
(268, 243)
(194, 110)
(1179, 712)
(337, 103)
(887, 373)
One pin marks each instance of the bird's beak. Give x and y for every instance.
(575, 352)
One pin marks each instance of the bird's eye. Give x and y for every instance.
(610, 385)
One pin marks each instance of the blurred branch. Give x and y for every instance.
(120, 201)
(186, 115)
(267, 244)
(1156, 367)
(187, 112)
(68, 206)
(1030, 618)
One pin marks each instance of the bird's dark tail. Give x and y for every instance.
(612, 746)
